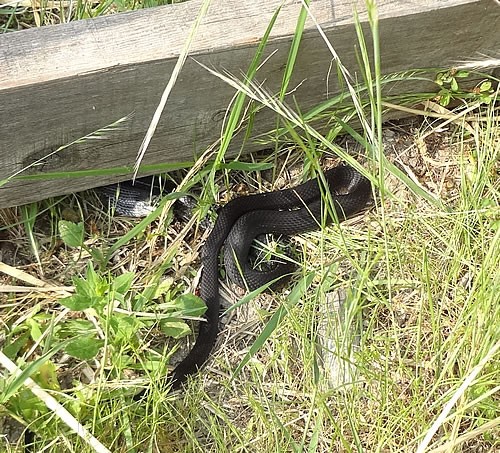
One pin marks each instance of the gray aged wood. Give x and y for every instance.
(62, 82)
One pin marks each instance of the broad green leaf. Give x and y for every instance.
(80, 302)
(175, 328)
(27, 403)
(84, 347)
(96, 284)
(82, 287)
(11, 350)
(445, 97)
(74, 327)
(123, 283)
(125, 328)
(35, 330)
(47, 376)
(485, 86)
(190, 305)
(98, 256)
(163, 287)
(71, 233)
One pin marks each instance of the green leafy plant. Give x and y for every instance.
(103, 326)
(450, 88)
(101, 293)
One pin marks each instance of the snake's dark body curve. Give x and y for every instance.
(290, 211)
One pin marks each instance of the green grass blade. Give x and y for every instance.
(17, 381)
(275, 320)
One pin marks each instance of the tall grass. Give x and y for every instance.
(22, 14)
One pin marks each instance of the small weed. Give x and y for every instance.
(451, 90)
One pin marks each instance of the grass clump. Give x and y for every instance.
(25, 14)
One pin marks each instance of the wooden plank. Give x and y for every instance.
(62, 82)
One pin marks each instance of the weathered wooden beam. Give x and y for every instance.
(62, 82)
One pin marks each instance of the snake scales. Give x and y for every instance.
(290, 211)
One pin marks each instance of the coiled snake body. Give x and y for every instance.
(290, 211)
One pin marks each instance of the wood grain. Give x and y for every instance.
(62, 82)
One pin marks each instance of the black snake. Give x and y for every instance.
(239, 222)
(290, 211)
